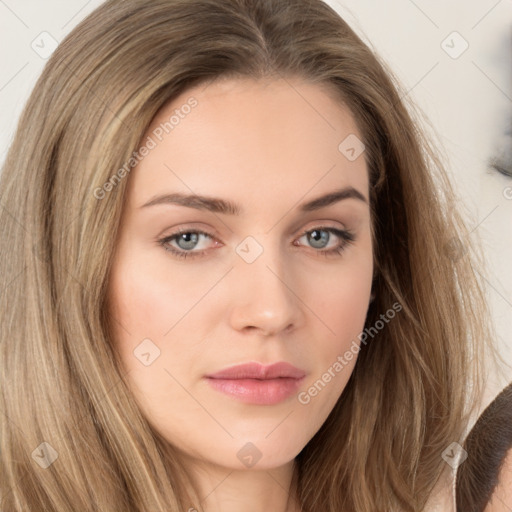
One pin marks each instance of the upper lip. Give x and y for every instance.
(259, 371)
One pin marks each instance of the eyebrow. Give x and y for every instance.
(217, 205)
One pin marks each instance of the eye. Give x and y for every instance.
(320, 237)
(183, 243)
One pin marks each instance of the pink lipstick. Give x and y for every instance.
(257, 384)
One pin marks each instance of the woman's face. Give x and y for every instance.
(286, 278)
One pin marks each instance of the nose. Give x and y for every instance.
(265, 298)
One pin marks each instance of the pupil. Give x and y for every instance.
(189, 239)
(319, 236)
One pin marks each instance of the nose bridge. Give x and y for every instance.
(265, 298)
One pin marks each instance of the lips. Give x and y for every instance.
(257, 384)
(258, 371)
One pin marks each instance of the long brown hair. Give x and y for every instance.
(61, 384)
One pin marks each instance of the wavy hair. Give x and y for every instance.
(61, 381)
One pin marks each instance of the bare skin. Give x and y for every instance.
(269, 147)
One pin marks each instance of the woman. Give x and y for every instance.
(240, 278)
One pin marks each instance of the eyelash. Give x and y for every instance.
(347, 238)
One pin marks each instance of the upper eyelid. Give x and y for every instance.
(301, 233)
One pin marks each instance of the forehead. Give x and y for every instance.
(271, 137)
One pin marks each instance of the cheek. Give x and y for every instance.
(344, 301)
(344, 316)
(341, 299)
(340, 304)
(149, 308)
(157, 311)
(148, 299)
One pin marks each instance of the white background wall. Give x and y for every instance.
(467, 97)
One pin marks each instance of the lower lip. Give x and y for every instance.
(259, 392)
